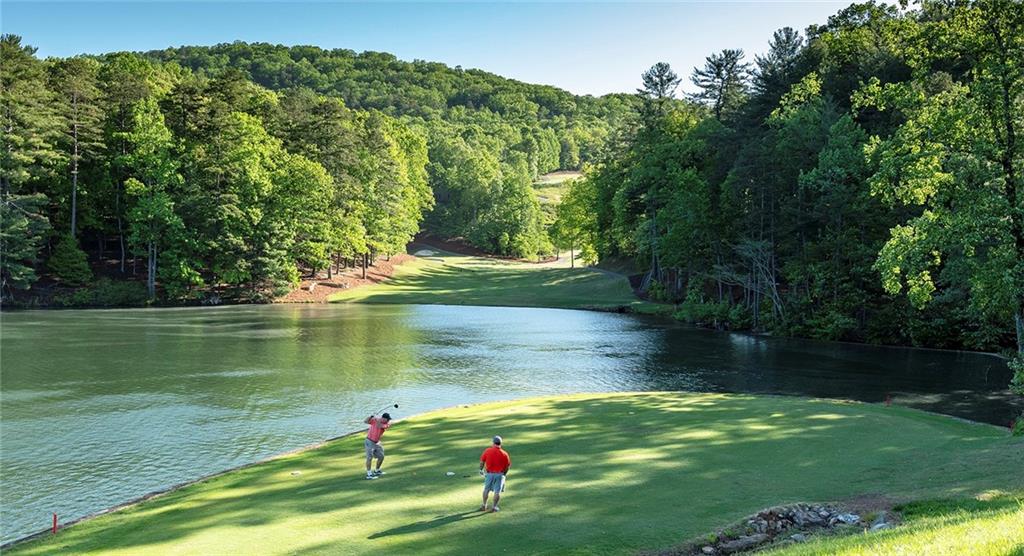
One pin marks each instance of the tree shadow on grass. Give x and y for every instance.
(427, 524)
(739, 452)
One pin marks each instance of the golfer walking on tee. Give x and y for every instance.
(496, 463)
(374, 449)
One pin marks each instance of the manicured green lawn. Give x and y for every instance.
(591, 473)
(463, 280)
(551, 187)
(991, 526)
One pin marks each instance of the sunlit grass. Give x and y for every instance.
(463, 280)
(991, 527)
(613, 473)
(551, 187)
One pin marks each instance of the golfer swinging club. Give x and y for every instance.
(497, 462)
(373, 446)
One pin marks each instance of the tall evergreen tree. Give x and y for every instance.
(75, 84)
(659, 87)
(29, 128)
(722, 82)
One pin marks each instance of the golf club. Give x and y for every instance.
(386, 407)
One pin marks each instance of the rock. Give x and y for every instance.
(848, 519)
(881, 526)
(880, 519)
(708, 550)
(743, 543)
(212, 299)
(799, 537)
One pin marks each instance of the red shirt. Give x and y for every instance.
(377, 428)
(496, 460)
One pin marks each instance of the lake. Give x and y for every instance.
(98, 407)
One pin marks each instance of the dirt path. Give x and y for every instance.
(345, 280)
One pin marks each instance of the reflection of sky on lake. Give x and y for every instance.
(102, 406)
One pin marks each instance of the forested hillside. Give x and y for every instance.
(858, 181)
(488, 137)
(225, 170)
(209, 185)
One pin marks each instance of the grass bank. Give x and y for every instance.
(990, 525)
(452, 279)
(613, 473)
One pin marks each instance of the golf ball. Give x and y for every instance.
(450, 473)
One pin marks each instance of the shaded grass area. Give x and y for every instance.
(464, 280)
(599, 473)
(990, 525)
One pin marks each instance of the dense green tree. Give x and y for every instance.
(575, 227)
(75, 83)
(29, 128)
(722, 82)
(659, 87)
(125, 80)
(152, 222)
(22, 230)
(68, 263)
(957, 156)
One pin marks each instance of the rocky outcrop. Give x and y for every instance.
(793, 523)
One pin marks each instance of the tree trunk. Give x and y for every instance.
(74, 179)
(1010, 175)
(120, 229)
(572, 254)
(151, 271)
(1018, 318)
(365, 255)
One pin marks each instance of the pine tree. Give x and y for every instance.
(68, 263)
(75, 83)
(723, 82)
(28, 129)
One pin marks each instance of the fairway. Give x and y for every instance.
(596, 473)
(453, 279)
(550, 187)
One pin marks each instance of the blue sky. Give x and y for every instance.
(593, 48)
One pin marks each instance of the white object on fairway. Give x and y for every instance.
(450, 473)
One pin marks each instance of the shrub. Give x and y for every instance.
(105, 293)
(1017, 386)
(1017, 366)
(830, 325)
(657, 291)
(68, 263)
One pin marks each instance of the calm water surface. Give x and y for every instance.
(98, 407)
